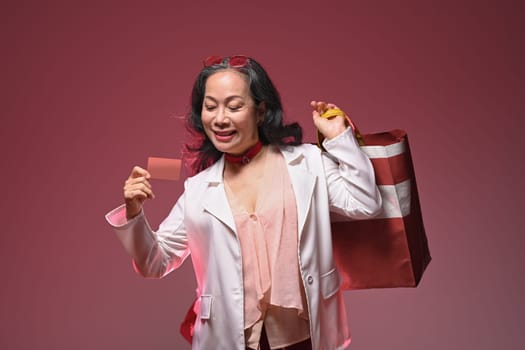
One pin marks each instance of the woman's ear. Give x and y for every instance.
(261, 112)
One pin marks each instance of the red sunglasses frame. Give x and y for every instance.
(236, 61)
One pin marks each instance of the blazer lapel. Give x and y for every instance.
(215, 201)
(303, 182)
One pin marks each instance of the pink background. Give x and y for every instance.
(90, 89)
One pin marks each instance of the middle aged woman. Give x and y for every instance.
(256, 216)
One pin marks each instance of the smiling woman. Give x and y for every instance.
(255, 217)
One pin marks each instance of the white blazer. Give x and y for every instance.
(201, 225)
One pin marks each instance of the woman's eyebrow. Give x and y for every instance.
(227, 99)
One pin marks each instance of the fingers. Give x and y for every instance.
(318, 106)
(331, 106)
(138, 187)
(321, 106)
(139, 172)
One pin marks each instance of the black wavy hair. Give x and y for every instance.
(272, 130)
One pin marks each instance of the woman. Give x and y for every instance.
(256, 216)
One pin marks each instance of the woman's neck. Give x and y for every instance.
(238, 168)
(245, 157)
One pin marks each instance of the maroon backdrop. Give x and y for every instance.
(89, 89)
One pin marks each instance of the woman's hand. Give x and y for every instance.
(136, 190)
(331, 127)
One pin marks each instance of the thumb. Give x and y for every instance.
(139, 172)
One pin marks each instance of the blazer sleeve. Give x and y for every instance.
(154, 254)
(350, 177)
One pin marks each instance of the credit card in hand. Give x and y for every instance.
(164, 168)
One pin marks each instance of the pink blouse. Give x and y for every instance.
(273, 291)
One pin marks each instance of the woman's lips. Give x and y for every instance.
(224, 136)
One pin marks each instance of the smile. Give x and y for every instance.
(224, 136)
(224, 133)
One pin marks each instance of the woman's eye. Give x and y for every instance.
(209, 108)
(234, 108)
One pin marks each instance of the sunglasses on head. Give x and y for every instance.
(237, 61)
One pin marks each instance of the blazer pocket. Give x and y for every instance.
(330, 283)
(205, 307)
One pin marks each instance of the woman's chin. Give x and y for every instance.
(225, 147)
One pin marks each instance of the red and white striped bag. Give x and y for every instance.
(390, 250)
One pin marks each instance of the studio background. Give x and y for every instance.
(90, 89)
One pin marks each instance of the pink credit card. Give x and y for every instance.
(164, 168)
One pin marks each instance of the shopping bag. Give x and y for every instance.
(390, 250)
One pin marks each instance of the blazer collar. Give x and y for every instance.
(214, 175)
(215, 201)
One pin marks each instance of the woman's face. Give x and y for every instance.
(229, 114)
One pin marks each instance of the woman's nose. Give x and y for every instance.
(220, 117)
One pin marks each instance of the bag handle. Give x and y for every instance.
(334, 112)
